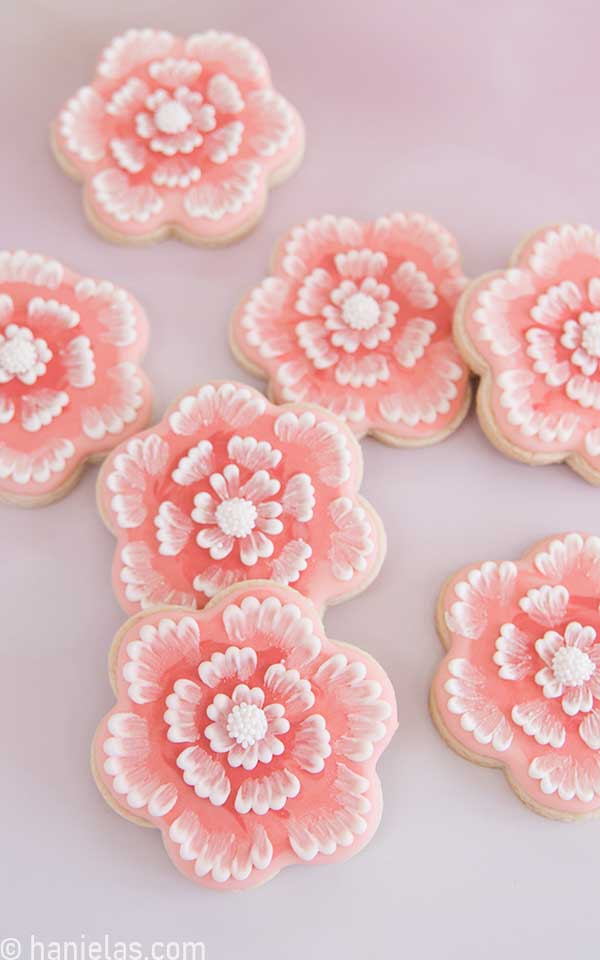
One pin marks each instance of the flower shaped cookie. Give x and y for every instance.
(178, 136)
(520, 685)
(358, 318)
(70, 386)
(533, 333)
(245, 735)
(228, 487)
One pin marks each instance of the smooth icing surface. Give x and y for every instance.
(533, 331)
(70, 384)
(246, 736)
(520, 684)
(229, 487)
(182, 133)
(358, 318)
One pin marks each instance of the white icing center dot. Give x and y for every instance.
(572, 667)
(246, 724)
(172, 117)
(236, 517)
(360, 311)
(591, 337)
(20, 353)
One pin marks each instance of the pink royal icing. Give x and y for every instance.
(180, 135)
(70, 384)
(228, 487)
(246, 736)
(533, 332)
(520, 684)
(358, 318)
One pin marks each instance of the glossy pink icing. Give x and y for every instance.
(70, 384)
(520, 684)
(229, 487)
(246, 736)
(357, 317)
(533, 331)
(181, 133)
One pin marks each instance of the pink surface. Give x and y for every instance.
(483, 117)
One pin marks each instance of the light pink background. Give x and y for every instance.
(485, 116)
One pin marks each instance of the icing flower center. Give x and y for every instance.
(591, 335)
(236, 517)
(172, 117)
(246, 724)
(361, 311)
(21, 355)
(572, 667)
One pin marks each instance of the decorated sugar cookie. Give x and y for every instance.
(519, 687)
(358, 318)
(533, 334)
(70, 384)
(245, 735)
(178, 136)
(228, 487)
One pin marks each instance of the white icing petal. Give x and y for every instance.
(41, 407)
(82, 125)
(174, 529)
(116, 312)
(415, 285)
(225, 142)
(324, 439)
(236, 55)
(30, 268)
(561, 244)
(216, 199)
(412, 404)
(494, 302)
(323, 830)
(289, 688)
(312, 744)
(478, 714)
(205, 775)
(280, 625)
(567, 776)
(37, 466)
(513, 653)
(132, 48)
(272, 122)
(234, 663)
(492, 581)
(546, 605)
(299, 497)
(78, 358)
(158, 649)
(270, 792)
(145, 585)
(236, 406)
(413, 341)
(538, 720)
(143, 458)
(125, 399)
(181, 712)
(291, 562)
(126, 202)
(224, 94)
(352, 541)
(223, 855)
